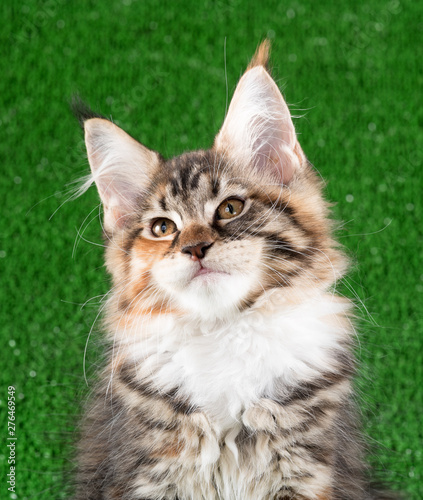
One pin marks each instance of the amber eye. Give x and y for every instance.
(230, 208)
(163, 227)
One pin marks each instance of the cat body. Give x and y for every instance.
(230, 357)
(266, 428)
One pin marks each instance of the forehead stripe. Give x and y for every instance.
(163, 203)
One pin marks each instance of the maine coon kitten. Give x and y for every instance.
(230, 361)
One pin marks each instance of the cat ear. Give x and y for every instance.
(258, 127)
(121, 168)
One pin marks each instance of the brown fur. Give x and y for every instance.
(261, 56)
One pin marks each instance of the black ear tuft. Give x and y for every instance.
(82, 111)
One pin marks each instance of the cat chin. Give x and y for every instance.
(214, 295)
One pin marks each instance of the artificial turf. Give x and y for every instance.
(351, 69)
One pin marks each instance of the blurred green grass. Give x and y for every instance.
(352, 70)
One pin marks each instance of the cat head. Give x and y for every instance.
(210, 232)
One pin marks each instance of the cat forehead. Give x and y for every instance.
(197, 177)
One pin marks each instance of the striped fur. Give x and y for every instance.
(234, 384)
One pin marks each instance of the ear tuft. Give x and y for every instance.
(261, 56)
(81, 110)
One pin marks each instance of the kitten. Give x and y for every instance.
(230, 361)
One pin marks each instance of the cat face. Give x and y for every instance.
(209, 232)
(197, 239)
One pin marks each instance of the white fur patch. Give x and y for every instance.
(224, 366)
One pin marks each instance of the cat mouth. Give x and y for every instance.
(207, 273)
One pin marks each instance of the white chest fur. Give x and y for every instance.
(224, 366)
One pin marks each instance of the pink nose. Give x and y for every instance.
(197, 251)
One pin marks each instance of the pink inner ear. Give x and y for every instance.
(121, 167)
(281, 164)
(259, 127)
(273, 153)
(274, 140)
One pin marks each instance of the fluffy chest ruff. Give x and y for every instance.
(222, 367)
(246, 410)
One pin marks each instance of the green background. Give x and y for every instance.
(350, 69)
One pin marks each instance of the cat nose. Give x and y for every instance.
(197, 251)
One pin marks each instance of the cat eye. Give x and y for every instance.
(230, 208)
(163, 227)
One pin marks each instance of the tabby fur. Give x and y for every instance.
(236, 384)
